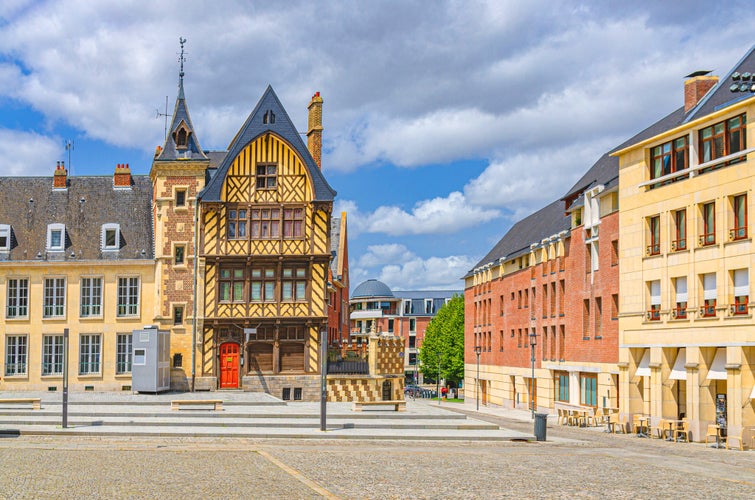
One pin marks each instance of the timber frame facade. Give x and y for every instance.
(264, 251)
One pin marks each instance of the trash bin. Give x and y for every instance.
(541, 423)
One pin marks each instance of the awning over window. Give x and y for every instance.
(718, 367)
(681, 289)
(741, 283)
(678, 372)
(644, 369)
(655, 293)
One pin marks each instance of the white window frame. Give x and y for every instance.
(123, 348)
(5, 234)
(52, 355)
(90, 303)
(429, 306)
(54, 305)
(103, 236)
(14, 300)
(90, 353)
(16, 355)
(124, 293)
(52, 228)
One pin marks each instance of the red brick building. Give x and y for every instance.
(552, 280)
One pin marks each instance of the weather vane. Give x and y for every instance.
(181, 59)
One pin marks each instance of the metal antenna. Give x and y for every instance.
(69, 148)
(157, 110)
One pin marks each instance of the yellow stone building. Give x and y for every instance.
(686, 345)
(76, 254)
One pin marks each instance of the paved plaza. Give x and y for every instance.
(573, 463)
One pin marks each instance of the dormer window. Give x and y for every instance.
(181, 136)
(111, 236)
(4, 237)
(56, 237)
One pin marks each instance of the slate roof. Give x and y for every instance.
(87, 204)
(181, 114)
(545, 222)
(253, 128)
(716, 99)
(335, 242)
(605, 171)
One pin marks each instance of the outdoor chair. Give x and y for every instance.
(658, 430)
(734, 437)
(682, 430)
(712, 432)
(619, 423)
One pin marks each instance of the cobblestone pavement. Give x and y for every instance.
(580, 464)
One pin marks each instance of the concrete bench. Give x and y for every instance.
(177, 404)
(399, 405)
(36, 403)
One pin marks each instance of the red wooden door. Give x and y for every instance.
(229, 366)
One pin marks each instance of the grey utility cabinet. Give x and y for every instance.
(150, 361)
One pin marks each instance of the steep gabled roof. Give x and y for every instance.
(181, 119)
(542, 224)
(255, 127)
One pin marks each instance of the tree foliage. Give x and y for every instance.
(445, 336)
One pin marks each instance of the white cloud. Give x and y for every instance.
(434, 216)
(434, 273)
(33, 154)
(396, 266)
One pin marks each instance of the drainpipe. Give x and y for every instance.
(194, 305)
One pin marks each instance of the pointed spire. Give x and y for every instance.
(181, 142)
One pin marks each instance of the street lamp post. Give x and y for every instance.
(478, 350)
(437, 385)
(533, 342)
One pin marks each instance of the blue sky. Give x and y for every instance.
(445, 122)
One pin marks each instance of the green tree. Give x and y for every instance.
(445, 336)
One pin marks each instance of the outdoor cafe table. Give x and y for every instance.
(643, 421)
(671, 428)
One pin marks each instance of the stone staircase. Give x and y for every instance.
(259, 416)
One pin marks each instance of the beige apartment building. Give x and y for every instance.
(686, 341)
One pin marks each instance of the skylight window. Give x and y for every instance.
(56, 237)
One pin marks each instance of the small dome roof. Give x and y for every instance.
(371, 288)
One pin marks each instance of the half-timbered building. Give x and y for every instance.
(264, 246)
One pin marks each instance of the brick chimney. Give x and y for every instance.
(314, 129)
(696, 86)
(122, 176)
(60, 177)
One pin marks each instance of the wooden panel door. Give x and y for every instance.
(229, 365)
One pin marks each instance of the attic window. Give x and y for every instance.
(181, 136)
(4, 237)
(56, 237)
(111, 236)
(268, 117)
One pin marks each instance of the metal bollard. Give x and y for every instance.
(541, 423)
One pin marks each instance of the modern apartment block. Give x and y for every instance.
(376, 309)
(687, 347)
(552, 280)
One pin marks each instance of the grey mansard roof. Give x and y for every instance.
(29, 204)
(253, 128)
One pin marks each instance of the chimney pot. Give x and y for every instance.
(314, 133)
(122, 176)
